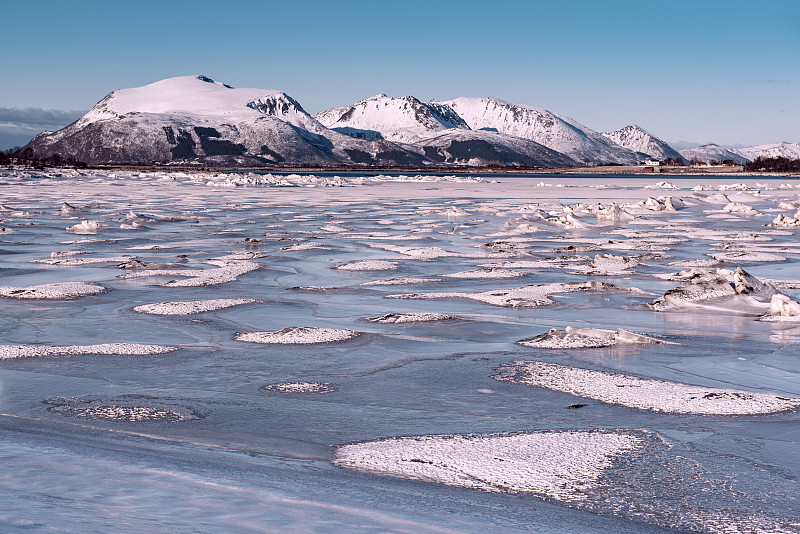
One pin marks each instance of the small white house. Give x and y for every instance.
(652, 162)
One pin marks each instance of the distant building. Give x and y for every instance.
(652, 162)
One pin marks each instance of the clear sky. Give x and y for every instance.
(703, 71)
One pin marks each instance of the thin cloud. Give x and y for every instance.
(23, 120)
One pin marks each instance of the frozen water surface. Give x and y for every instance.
(169, 420)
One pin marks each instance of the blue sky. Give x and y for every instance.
(702, 71)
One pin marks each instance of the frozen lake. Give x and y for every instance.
(193, 352)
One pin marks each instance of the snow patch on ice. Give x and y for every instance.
(8, 352)
(54, 291)
(643, 394)
(559, 465)
(572, 337)
(368, 265)
(302, 388)
(416, 317)
(531, 296)
(190, 307)
(298, 335)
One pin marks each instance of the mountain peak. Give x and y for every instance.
(403, 119)
(635, 138)
(204, 78)
(536, 124)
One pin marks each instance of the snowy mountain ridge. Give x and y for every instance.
(773, 150)
(556, 132)
(635, 138)
(402, 119)
(196, 120)
(712, 152)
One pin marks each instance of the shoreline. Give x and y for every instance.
(637, 170)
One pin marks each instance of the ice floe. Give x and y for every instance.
(414, 317)
(419, 253)
(487, 273)
(70, 210)
(85, 227)
(308, 245)
(302, 388)
(699, 262)
(573, 337)
(754, 256)
(662, 185)
(368, 265)
(561, 465)
(54, 291)
(8, 352)
(226, 270)
(72, 262)
(606, 265)
(641, 393)
(782, 308)
(298, 335)
(400, 281)
(531, 296)
(190, 307)
(128, 408)
(740, 208)
(787, 221)
(732, 291)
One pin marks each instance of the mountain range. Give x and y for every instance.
(195, 120)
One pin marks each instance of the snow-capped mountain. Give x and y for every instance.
(556, 132)
(402, 119)
(639, 140)
(195, 119)
(436, 129)
(712, 152)
(783, 149)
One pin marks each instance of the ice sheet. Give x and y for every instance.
(224, 435)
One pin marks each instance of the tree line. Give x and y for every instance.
(777, 164)
(26, 157)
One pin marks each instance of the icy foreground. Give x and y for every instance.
(642, 394)
(559, 465)
(312, 398)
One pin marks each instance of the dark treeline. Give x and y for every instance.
(26, 157)
(778, 164)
